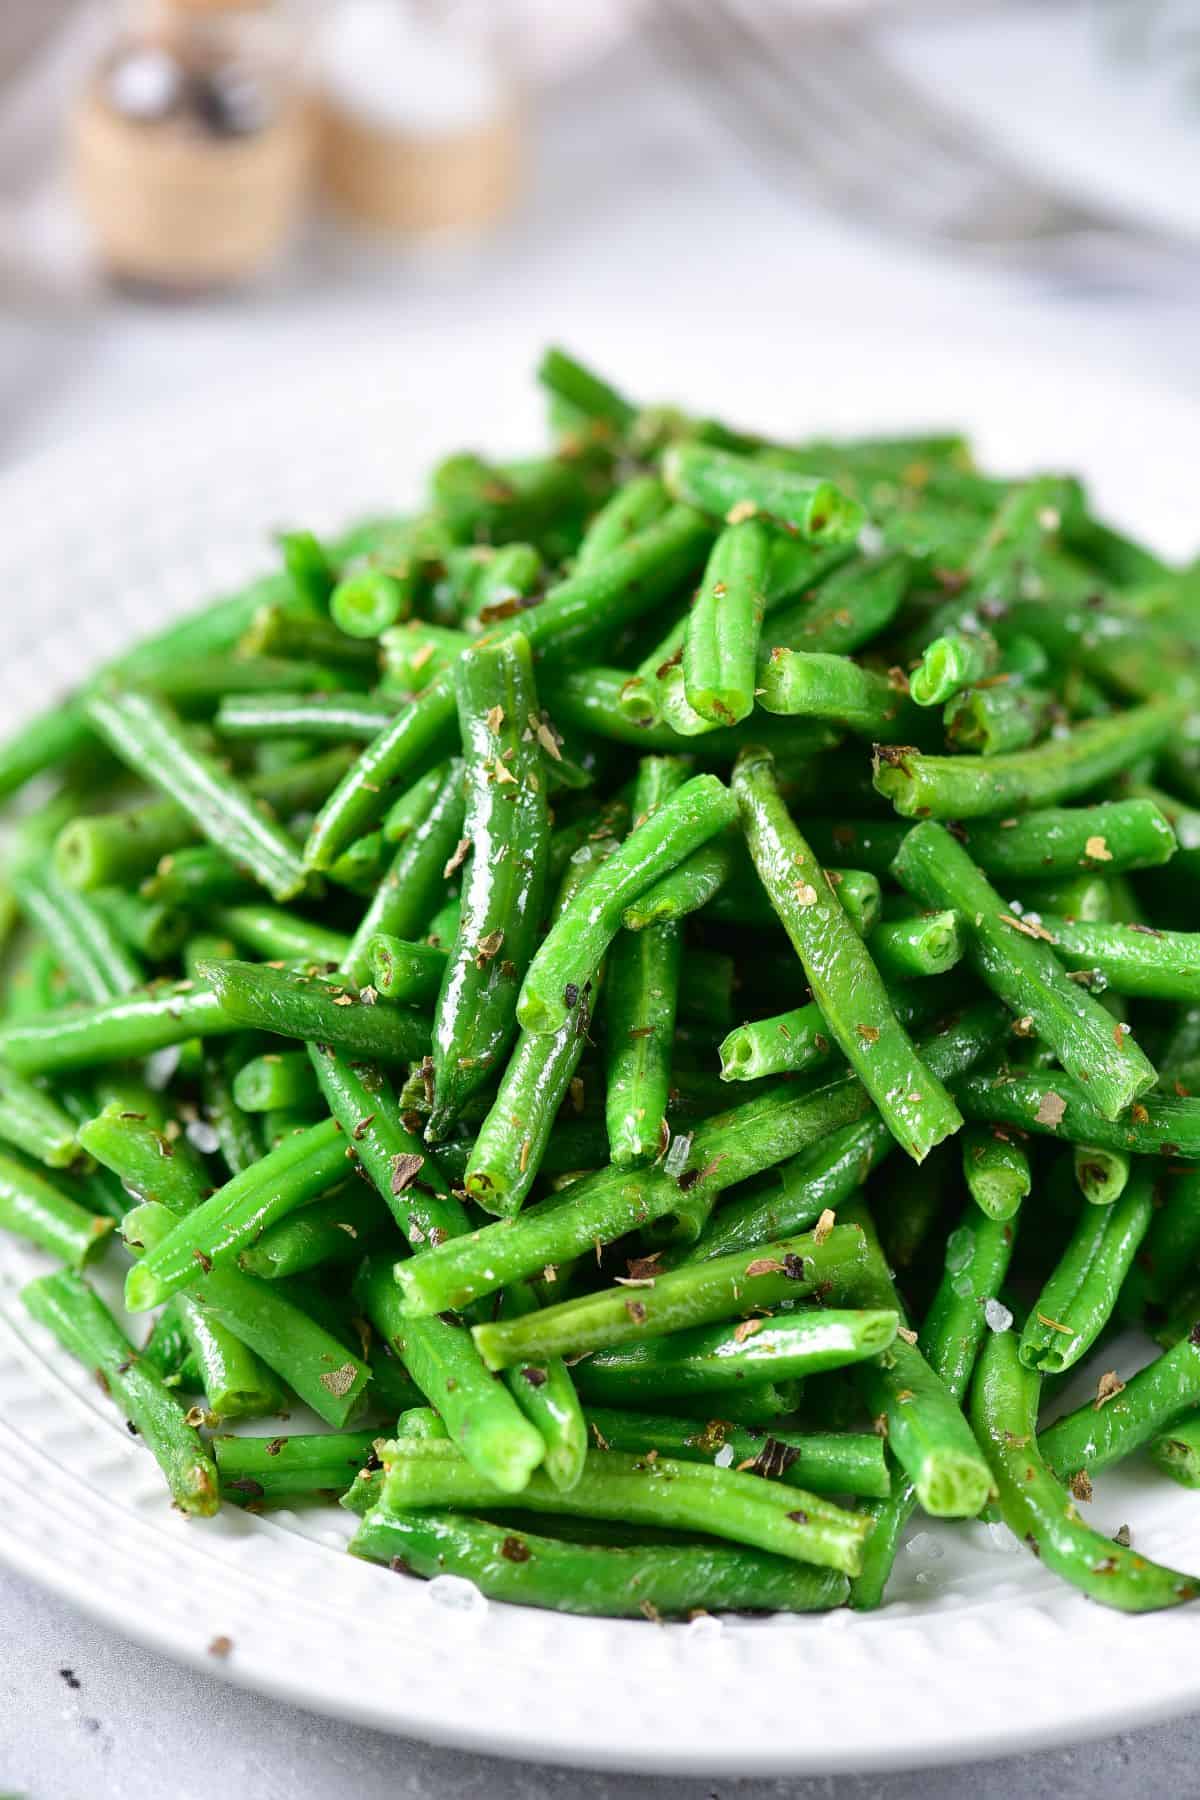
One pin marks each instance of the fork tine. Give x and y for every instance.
(826, 106)
(876, 116)
(766, 122)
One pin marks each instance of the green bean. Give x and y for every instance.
(915, 948)
(310, 567)
(33, 984)
(1049, 1101)
(721, 1288)
(634, 506)
(721, 483)
(1038, 1511)
(952, 663)
(482, 502)
(1176, 1452)
(688, 887)
(362, 867)
(218, 626)
(978, 1253)
(1137, 960)
(756, 1408)
(414, 805)
(926, 1431)
(510, 1147)
(415, 653)
(505, 584)
(32, 1207)
(216, 1231)
(799, 1039)
(961, 787)
(235, 1384)
(818, 686)
(146, 736)
(849, 608)
(1080, 1294)
(719, 1502)
(332, 1230)
(545, 1393)
(584, 392)
(573, 948)
(825, 1462)
(721, 645)
(195, 685)
(977, 1258)
(237, 1133)
(286, 1121)
(598, 1580)
(284, 632)
(266, 1471)
(94, 956)
(1102, 1175)
(366, 601)
(793, 570)
(272, 931)
(1122, 560)
(844, 981)
(1019, 536)
(151, 1164)
(1019, 965)
(1084, 897)
(575, 612)
(315, 1009)
(497, 584)
(147, 927)
(35, 1123)
(412, 972)
(996, 1169)
(1116, 836)
(278, 1079)
(414, 886)
(819, 1178)
(1171, 1248)
(167, 1351)
(1124, 1417)
(993, 720)
(413, 1186)
(713, 1359)
(267, 717)
(68, 1308)
(106, 848)
(479, 1413)
(643, 991)
(591, 699)
(39, 743)
(724, 1150)
(911, 1204)
(507, 827)
(327, 1376)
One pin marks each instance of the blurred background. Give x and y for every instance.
(194, 191)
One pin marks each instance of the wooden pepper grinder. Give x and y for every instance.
(190, 143)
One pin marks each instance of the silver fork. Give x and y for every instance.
(820, 106)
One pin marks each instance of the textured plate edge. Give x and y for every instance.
(252, 1678)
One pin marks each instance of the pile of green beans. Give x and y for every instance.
(514, 939)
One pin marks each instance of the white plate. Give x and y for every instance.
(980, 1651)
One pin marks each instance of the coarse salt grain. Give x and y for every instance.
(998, 1317)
